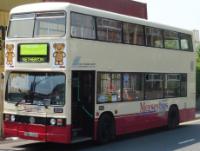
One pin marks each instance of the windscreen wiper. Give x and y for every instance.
(19, 102)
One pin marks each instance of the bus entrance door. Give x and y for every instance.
(83, 88)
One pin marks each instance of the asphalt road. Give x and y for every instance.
(184, 138)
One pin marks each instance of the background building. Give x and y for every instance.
(127, 7)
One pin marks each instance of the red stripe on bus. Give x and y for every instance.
(187, 114)
(124, 124)
(38, 132)
(143, 121)
(32, 132)
(59, 134)
(10, 129)
(139, 122)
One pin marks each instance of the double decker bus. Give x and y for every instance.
(74, 73)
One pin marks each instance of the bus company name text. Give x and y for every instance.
(151, 108)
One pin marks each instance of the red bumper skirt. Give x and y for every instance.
(38, 132)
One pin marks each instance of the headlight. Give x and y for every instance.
(59, 122)
(32, 120)
(7, 117)
(12, 118)
(53, 121)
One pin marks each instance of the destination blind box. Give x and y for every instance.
(33, 53)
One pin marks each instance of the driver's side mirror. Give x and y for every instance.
(2, 75)
(47, 103)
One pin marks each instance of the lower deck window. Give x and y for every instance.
(115, 87)
(183, 85)
(153, 86)
(172, 85)
(132, 87)
(176, 85)
(109, 85)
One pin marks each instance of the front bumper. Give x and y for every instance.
(44, 133)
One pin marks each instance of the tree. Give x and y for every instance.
(198, 70)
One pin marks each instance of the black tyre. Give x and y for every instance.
(106, 129)
(173, 117)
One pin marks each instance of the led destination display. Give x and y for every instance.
(33, 53)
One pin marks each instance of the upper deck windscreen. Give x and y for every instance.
(51, 24)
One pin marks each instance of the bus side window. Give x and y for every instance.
(109, 30)
(133, 34)
(154, 37)
(132, 87)
(186, 42)
(171, 40)
(154, 86)
(109, 87)
(82, 26)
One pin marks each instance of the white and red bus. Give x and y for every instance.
(74, 73)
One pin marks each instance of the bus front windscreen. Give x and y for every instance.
(50, 24)
(36, 88)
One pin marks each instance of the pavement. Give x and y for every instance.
(197, 116)
(10, 140)
(18, 140)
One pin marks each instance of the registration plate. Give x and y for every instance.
(30, 134)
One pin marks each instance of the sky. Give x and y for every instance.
(179, 13)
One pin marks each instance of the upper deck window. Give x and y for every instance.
(82, 26)
(133, 34)
(51, 24)
(171, 40)
(21, 25)
(104, 29)
(47, 25)
(109, 30)
(186, 42)
(154, 37)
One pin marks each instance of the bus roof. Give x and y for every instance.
(58, 6)
(40, 7)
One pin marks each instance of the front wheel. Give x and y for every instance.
(106, 129)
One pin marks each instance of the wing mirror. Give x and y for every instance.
(2, 75)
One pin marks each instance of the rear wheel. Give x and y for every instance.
(106, 129)
(173, 117)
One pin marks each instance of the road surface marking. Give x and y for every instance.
(186, 141)
(194, 121)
